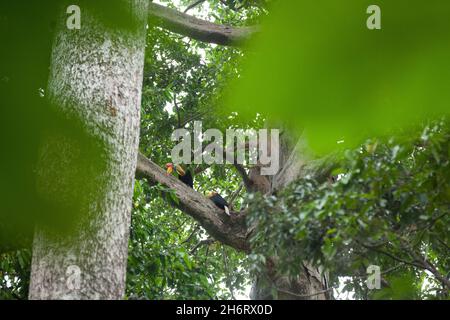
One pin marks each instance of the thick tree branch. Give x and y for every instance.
(231, 231)
(198, 29)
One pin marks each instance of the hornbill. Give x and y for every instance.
(184, 176)
(219, 202)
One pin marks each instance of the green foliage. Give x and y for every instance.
(183, 80)
(51, 162)
(317, 66)
(167, 259)
(389, 207)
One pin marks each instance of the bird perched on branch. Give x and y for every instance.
(185, 176)
(219, 202)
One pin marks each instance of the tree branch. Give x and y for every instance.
(198, 29)
(192, 234)
(303, 296)
(235, 195)
(201, 243)
(398, 259)
(231, 230)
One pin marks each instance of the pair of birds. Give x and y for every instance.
(185, 176)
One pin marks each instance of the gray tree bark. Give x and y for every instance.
(96, 74)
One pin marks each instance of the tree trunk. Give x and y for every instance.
(96, 74)
(310, 283)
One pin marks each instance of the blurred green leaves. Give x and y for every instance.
(316, 66)
(51, 167)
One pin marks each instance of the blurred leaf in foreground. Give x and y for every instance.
(317, 66)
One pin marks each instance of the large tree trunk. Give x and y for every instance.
(310, 283)
(96, 74)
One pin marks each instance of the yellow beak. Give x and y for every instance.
(169, 170)
(180, 170)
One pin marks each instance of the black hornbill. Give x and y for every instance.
(219, 202)
(184, 176)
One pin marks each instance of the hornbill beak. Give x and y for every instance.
(169, 167)
(210, 194)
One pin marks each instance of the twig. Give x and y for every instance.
(202, 243)
(427, 265)
(411, 263)
(194, 117)
(177, 228)
(381, 273)
(421, 262)
(443, 243)
(241, 170)
(192, 234)
(192, 6)
(305, 295)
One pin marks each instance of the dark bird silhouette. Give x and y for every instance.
(219, 202)
(185, 176)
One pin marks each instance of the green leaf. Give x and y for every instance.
(318, 66)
